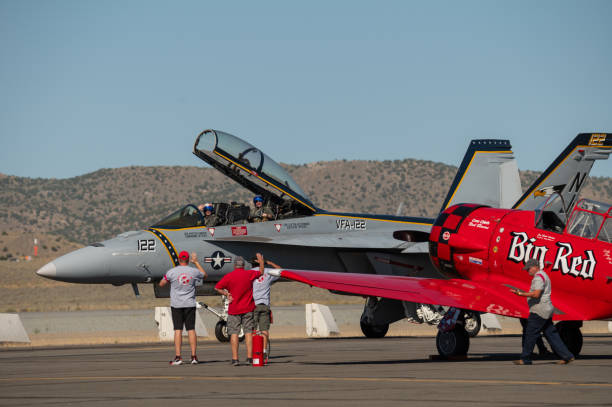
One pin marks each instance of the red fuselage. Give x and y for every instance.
(481, 243)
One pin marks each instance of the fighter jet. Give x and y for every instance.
(299, 235)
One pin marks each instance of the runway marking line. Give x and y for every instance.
(313, 379)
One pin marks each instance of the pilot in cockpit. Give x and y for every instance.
(260, 213)
(210, 219)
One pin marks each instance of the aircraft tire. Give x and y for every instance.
(221, 332)
(374, 331)
(571, 337)
(453, 343)
(472, 323)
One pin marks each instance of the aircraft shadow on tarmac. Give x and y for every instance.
(472, 357)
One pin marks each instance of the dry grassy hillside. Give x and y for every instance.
(104, 203)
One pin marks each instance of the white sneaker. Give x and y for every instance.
(176, 361)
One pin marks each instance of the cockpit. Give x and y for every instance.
(282, 196)
(589, 219)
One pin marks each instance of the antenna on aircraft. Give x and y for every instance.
(400, 208)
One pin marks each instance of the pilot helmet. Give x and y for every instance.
(208, 207)
(258, 198)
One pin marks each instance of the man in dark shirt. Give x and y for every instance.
(237, 286)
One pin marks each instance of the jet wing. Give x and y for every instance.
(484, 296)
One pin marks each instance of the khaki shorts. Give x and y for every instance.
(235, 321)
(261, 317)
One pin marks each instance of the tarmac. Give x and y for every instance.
(333, 371)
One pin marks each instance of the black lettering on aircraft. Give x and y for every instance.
(577, 182)
(146, 245)
(351, 224)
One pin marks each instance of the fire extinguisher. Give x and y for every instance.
(258, 351)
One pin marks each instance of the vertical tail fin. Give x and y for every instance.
(566, 175)
(488, 175)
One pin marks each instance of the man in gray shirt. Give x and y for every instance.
(540, 316)
(262, 315)
(182, 280)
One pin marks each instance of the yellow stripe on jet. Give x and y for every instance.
(167, 244)
(371, 218)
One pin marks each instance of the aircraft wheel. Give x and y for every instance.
(374, 331)
(221, 332)
(571, 337)
(472, 323)
(453, 343)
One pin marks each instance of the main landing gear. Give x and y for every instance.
(570, 334)
(221, 326)
(455, 342)
(373, 331)
(453, 339)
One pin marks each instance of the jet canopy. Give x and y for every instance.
(251, 168)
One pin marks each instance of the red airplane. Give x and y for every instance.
(481, 250)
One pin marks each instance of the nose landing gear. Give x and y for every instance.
(221, 326)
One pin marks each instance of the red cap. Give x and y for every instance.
(184, 255)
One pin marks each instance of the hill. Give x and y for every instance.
(101, 204)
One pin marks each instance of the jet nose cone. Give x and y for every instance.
(48, 270)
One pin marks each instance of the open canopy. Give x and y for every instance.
(250, 167)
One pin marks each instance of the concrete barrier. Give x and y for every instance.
(163, 319)
(320, 322)
(12, 330)
(490, 322)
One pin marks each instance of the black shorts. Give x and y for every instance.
(184, 316)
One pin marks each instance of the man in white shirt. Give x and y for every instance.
(182, 280)
(540, 316)
(261, 295)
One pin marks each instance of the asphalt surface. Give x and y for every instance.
(339, 372)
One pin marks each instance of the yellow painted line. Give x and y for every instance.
(311, 379)
(169, 241)
(372, 218)
(555, 169)
(468, 168)
(191, 227)
(263, 180)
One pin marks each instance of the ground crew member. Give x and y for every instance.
(540, 316)
(542, 349)
(182, 280)
(260, 213)
(261, 296)
(237, 286)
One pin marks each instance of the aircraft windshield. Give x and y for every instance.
(587, 219)
(248, 165)
(186, 217)
(551, 215)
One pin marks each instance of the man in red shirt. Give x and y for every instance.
(237, 286)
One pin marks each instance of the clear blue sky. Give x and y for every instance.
(97, 84)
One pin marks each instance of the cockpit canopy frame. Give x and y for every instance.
(251, 168)
(591, 220)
